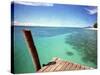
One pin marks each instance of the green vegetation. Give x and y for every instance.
(85, 42)
(95, 25)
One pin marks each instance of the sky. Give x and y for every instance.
(46, 14)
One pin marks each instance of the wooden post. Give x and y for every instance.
(30, 43)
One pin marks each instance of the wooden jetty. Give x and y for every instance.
(62, 65)
(55, 65)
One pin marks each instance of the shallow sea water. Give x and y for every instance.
(70, 44)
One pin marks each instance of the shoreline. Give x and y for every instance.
(92, 28)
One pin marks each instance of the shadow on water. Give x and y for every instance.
(85, 42)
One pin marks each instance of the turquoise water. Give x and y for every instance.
(77, 45)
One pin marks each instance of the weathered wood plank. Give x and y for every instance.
(45, 67)
(32, 48)
(52, 66)
(60, 66)
(63, 66)
(69, 66)
(73, 66)
(77, 67)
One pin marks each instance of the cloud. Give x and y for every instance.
(18, 23)
(22, 23)
(91, 11)
(33, 3)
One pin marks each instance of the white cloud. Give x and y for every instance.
(33, 23)
(34, 3)
(91, 11)
(49, 24)
(22, 23)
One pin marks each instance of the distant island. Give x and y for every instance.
(95, 25)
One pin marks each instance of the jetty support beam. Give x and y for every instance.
(32, 48)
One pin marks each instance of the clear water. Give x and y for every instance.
(77, 45)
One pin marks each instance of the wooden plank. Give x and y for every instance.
(51, 66)
(73, 67)
(83, 68)
(58, 68)
(77, 67)
(42, 69)
(54, 67)
(64, 66)
(69, 66)
(45, 67)
(32, 48)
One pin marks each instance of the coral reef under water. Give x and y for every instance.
(85, 42)
(69, 53)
